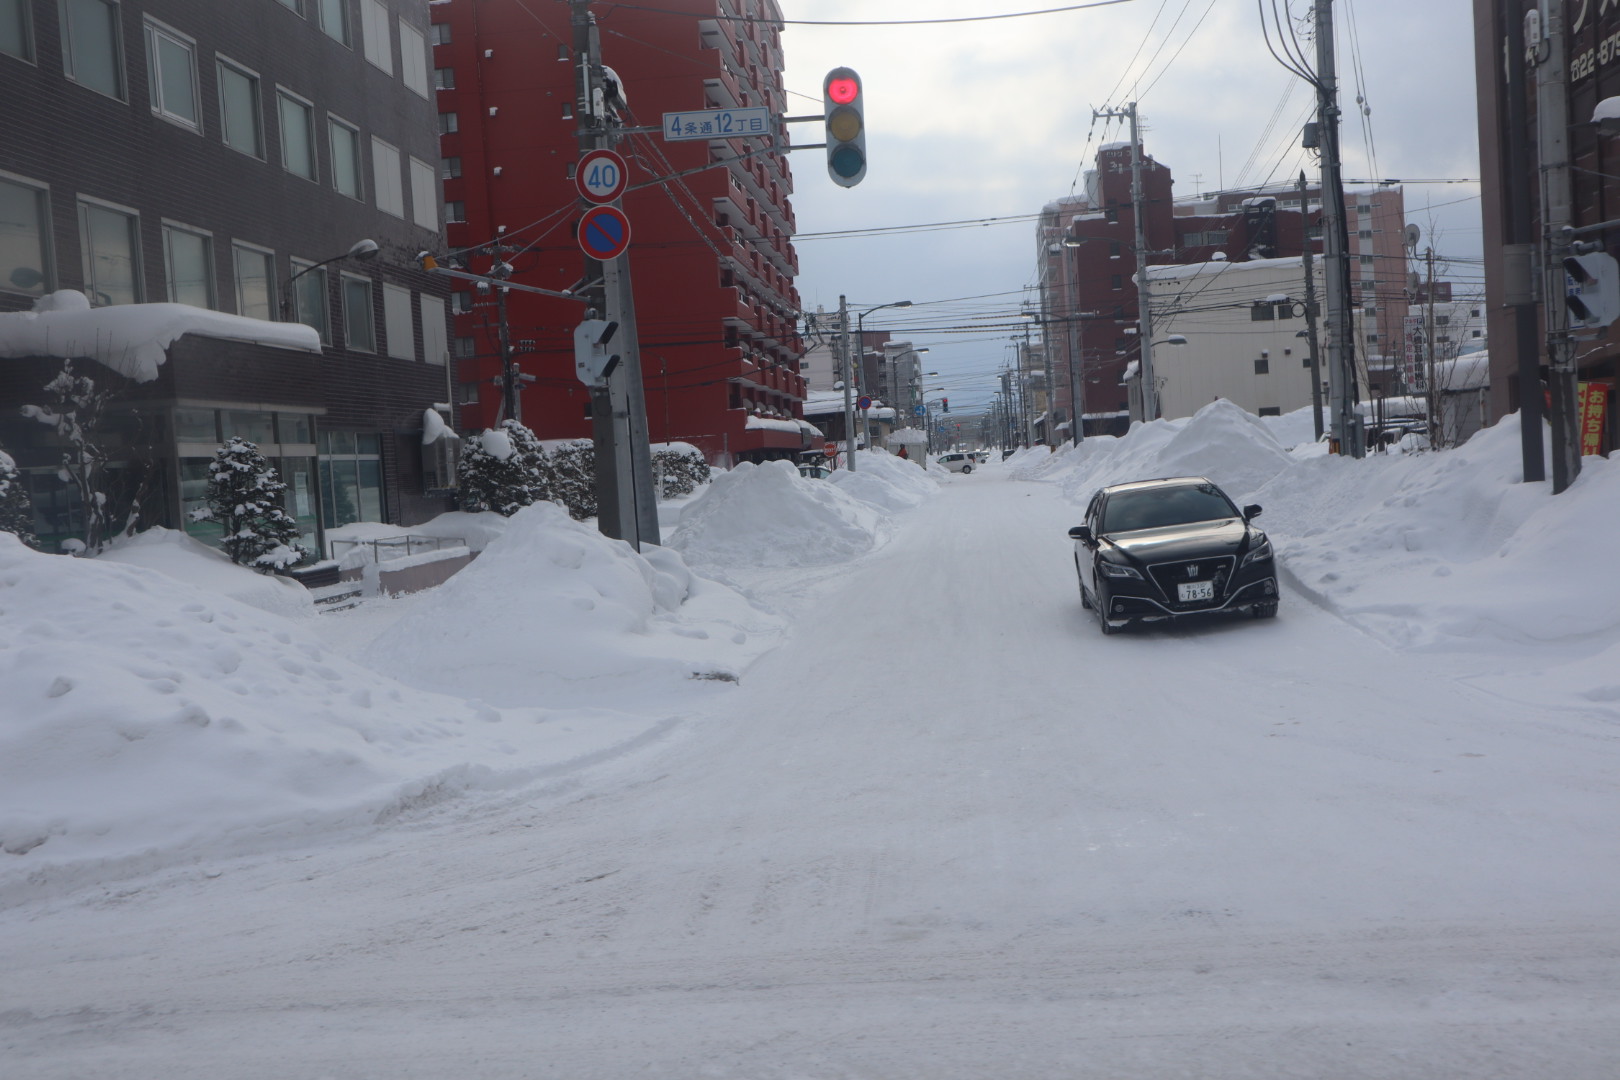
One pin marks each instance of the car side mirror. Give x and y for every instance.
(1251, 511)
(1082, 534)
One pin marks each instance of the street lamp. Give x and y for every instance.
(362, 251)
(849, 399)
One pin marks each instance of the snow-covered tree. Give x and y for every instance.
(501, 470)
(75, 413)
(16, 510)
(569, 476)
(679, 469)
(245, 498)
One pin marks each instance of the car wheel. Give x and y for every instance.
(966, 469)
(1267, 610)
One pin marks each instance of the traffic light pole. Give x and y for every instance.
(1343, 387)
(627, 503)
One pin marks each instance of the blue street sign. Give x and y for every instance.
(604, 232)
(919, 410)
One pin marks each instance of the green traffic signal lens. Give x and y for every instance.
(847, 161)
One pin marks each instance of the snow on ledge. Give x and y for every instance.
(133, 339)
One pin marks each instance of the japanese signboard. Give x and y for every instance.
(716, 124)
(1593, 406)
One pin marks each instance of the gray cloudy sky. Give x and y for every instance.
(994, 119)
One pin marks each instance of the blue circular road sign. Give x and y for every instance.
(864, 404)
(604, 232)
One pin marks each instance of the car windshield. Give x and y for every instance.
(1156, 508)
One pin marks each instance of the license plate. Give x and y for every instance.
(1196, 590)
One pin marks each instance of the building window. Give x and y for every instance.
(413, 58)
(16, 33)
(24, 236)
(440, 33)
(1116, 281)
(309, 298)
(111, 244)
(1262, 312)
(465, 348)
(444, 78)
(435, 331)
(345, 145)
(400, 338)
(448, 123)
(254, 270)
(374, 33)
(239, 110)
(424, 195)
(188, 256)
(293, 5)
(1262, 365)
(171, 63)
(1364, 234)
(1269, 410)
(335, 20)
(91, 55)
(1366, 260)
(297, 135)
(455, 211)
(562, 52)
(450, 167)
(467, 393)
(351, 477)
(359, 317)
(385, 178)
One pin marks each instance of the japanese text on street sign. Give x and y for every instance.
(716, 124)
(1593, 404)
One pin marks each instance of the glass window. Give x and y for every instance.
(295, 427)
(441, 33)
(23, 232)
(297, 136)
(386, 182)
(256, 427)
(401, 337)
(293, 5)
(448, 124)
(424, 195)
(309, 298)
(455, 211)
(16, 35)
(189, 258)
(345, 158)
(450, 167)
(359, 318)
(435, 332)
(255, 282)
(374, 33)
(413, 58)
(111, 245)
(334, 19)
(298, 473)
(240, 125)
(444, 78)
(351, 477)
(90, 53)
(172, 76)
(196, 425)
(194, 496)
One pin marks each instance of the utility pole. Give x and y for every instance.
(1518, 253)
(1144, 294)
(1552, 131)
(849, 391)
(1431, 397)
(1343, 389)
(1077, 383)
(627, 501)
(1311, 339)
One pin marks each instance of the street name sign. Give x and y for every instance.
(716, 124)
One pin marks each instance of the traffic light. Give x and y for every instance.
(944, 404)
(592, 361)
(846, 126)
(1592, 289)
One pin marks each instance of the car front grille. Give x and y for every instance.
(1167, 575)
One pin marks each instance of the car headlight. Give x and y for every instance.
(1261, 551)
(1116, 570)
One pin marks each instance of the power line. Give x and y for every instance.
(871, 22)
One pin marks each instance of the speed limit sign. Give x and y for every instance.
(600, 176)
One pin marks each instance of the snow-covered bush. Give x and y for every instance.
(16, 510)
(501, 470)
(680, 469)
(569, 476)
(245, 498)
(75, 414)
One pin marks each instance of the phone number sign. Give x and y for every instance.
(716, 124)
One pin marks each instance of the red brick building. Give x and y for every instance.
(711, 255)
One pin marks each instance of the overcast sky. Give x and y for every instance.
(993, 119)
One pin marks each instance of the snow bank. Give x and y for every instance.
(148, 720)
(887, 482)
(555, 612)
(768, 516)
(178, 556)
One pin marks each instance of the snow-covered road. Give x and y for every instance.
(947, 831)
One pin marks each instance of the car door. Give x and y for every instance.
(1085, 556)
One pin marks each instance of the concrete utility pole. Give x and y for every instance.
(1518, 253)
(1343, 388)
(1311, 339)
(627, 502)
(1144, 293)
(849, 379)
(1552, 130)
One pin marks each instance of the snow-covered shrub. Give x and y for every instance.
(245, 498)
(75, 414)
(680, 469)
(16, 510)
(501, 470)
(569, 474)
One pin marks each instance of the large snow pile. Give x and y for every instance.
(555, 612)
(768, 516)
(890, 483)
(184, 559)
(148, 719)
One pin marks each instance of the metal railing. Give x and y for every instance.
(389, 548)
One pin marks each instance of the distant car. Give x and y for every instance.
(1154, 550)
(814, 472)
(962, 463)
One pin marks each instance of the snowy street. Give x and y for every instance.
(945, 830)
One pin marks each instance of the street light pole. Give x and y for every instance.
(362, 251)
(860, 333)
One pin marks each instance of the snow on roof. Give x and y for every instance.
(1176, 271)
(133, 339)
(766, 423)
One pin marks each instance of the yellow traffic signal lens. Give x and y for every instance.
(844, 124)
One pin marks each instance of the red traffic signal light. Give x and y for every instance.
(844, 113)
(843, 90)
(944, 404)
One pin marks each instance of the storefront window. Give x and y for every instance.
(256, 427)
(195, 425)
(194, 497)
(351, 477)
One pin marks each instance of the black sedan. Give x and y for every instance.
(1153, 550)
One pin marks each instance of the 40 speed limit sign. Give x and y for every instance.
(600, 176)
